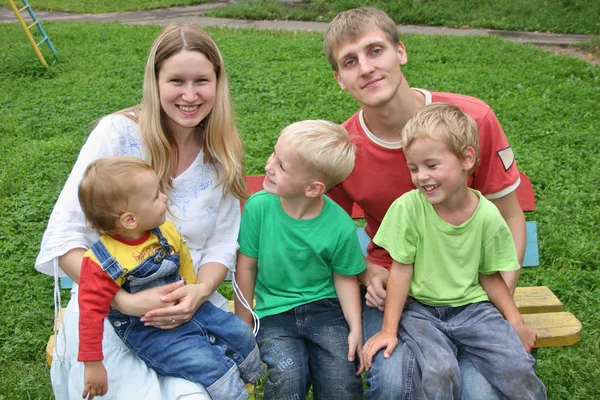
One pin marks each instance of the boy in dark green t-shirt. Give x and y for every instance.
(299, 254)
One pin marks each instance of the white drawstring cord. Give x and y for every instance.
(238, 293)
(58, 313)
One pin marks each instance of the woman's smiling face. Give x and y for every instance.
(187, 85)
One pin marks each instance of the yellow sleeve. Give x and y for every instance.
(186, 265)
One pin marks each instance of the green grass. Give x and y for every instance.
(592, 46)
(106, 6)
(547, 104)
(561, 16)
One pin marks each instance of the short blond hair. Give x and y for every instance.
(446, 123)
(351, 24)
(325, 148)
(107, 189)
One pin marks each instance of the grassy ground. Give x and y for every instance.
(560, 16)
(581, 16)
(592, 46)
(547, 104)
(105, 6)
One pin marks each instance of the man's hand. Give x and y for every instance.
(95, 380)
(375, 279)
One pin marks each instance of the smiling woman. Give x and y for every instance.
(187, 94)
(184, 129)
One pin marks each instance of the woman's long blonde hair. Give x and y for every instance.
(220, 139)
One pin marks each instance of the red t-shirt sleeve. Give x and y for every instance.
(339, 195)
(96, 291)
(497, 171)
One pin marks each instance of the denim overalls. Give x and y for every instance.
(215, 348)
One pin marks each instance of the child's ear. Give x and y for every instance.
(315, 189)
(468, 158)
(128, 220)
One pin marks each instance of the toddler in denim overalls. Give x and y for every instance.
(138, 250)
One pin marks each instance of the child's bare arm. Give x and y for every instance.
(95, 380)
(496, 289)
(348, 292)
(245, 277)
(398, 285)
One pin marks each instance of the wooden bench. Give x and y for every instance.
(540, 307)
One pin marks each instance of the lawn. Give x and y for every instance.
(105, 6)
(547, 104)
(560, 16)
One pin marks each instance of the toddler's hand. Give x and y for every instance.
(355, 349)
(376, 343)
(95, 380)
(526, 334)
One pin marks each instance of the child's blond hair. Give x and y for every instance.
(446, 123)
(107, 188)
(349, 25)
(325, 147)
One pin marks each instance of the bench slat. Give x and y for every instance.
(554, 329)
(537, 299)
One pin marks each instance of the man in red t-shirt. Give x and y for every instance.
(364, 50)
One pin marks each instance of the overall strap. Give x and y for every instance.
(164, 243)
(108, 263)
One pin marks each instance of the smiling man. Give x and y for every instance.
(365, 52)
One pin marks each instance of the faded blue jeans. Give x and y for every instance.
(436, 335)
(215, 348)
(308, 345)
(387, 379)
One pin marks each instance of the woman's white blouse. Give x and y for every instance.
(208, 220)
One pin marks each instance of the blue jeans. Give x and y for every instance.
(215, 348)
(437, 335)
(389, 379)
(308, 345)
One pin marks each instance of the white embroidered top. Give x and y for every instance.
(208, 221)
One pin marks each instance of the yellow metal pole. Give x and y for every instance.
(28, 33)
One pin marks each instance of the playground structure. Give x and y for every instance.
(27, 30)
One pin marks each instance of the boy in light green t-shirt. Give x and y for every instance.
(448, 244)
(299, 254)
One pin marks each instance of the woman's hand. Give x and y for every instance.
(140, 303)
(182, 303)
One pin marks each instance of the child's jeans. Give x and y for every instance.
(436, 335)
(308, 345)
(215, 348)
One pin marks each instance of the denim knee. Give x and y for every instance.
(474, 385)
(385, 379)
(287, 363)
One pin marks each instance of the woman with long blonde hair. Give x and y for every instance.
(184, 128)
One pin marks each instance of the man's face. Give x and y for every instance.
(369, 68)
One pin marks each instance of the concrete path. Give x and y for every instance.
(195, 15)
